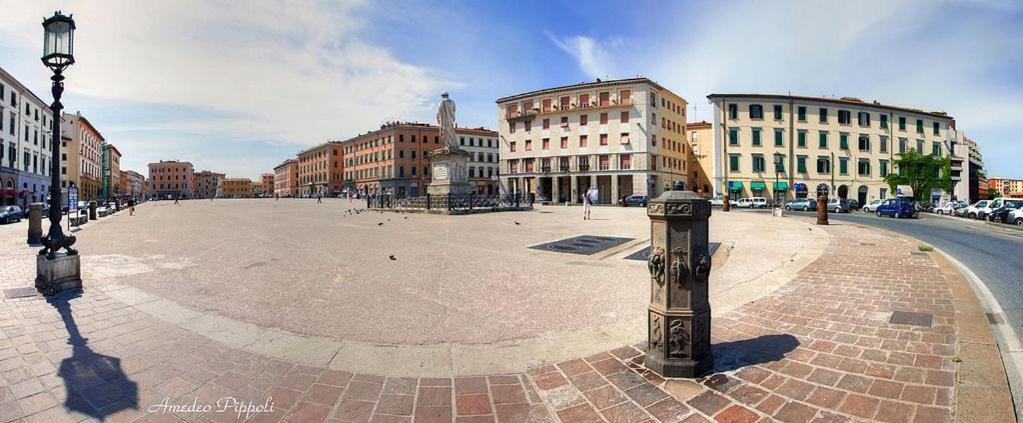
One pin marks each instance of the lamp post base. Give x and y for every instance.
(61, 273)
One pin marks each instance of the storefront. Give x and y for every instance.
(735, 189)
(800, 189)
(779, 189)
(757, 188)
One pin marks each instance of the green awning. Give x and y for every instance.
(735, 185)
(781, 186)
(757, 186)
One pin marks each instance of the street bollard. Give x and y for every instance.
(92, 210)
(822, 204)
(678, 319)
(725, 203)
(35, 223)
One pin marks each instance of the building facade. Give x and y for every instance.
(237, 187)
(26, 127)
(391, 159)
(782, 146)
(81, 156)
(207, 184)
(622, 137)
(1006, 187)
(484, 158)
(320, 169)
(978, 185)
(267, 179)
(286, 178)
(171, 179)
(701, 143)
(134, 184)
(111, 184)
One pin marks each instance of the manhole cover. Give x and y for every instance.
(911, 318)
(644, 253)
(584, 245)
(20, 292)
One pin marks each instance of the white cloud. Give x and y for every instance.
(593, 59)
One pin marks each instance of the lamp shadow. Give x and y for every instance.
(762, 349)
(95, 383)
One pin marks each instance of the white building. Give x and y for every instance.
(25, 143)
(484, 158)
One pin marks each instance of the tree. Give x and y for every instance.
(993, 194)
(922, 172)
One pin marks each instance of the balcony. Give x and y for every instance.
(530, 115)
(584, 167)
(564, 168)
(545, 169)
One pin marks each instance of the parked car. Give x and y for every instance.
(805, 204)
(950, 208)
(871, 206)
(744, 203)
(977, 210)
(854, 204)
(1001, 214)
(838, 205)
(636, 200)
(717, 201)
(10, 214)
(897, 207)
(759, 203)
(1016, 216)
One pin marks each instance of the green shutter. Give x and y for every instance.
(843, 165)
(823, 140)
(802, 139)
(733, 163)
(801, 164)
(777, 139)
(843, 141)
(756, 137)
(733, 137)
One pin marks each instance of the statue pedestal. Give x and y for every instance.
(58, 274)
(35, 224)
(450, 172)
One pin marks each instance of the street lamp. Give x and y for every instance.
(56, 272)
(778, 157)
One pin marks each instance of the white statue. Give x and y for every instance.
(446, 121)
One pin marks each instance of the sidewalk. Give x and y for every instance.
(820, 348)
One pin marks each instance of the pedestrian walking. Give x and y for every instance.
(131, 207)
(176, 201)
(319, 198)
(588, 199)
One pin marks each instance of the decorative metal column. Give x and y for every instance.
(822, 204)
(679, 314)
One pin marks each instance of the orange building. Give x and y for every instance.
(237, 187)
(286, 178)
(320, 169)
(171, 179)
(267, 179)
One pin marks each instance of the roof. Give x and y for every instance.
(83, 119)
(318, 146)
(285, 163)
(574, 87)
(698, 125)
(111, 146)
(390, 126)
(849, 101)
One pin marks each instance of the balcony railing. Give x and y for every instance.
(545, 169)
(584, 167)
(529, 115)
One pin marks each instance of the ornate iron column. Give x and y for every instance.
(822, 204)
(679, 314)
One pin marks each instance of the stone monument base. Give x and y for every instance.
(778, 212)
(680, 368)
(450, 173)
(58, 274)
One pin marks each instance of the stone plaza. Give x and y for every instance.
(330, 312)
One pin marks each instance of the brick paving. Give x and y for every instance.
(818, 349)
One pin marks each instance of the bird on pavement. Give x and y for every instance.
(392, 257)
(380, 224)
(517, 223)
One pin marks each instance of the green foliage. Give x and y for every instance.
(922, 172)
(993, 194)
(925, 248)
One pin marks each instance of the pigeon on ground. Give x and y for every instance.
(517, 223)
(380, 224)
(392, 257)
(406, 217)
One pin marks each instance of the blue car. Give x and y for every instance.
(897, 207)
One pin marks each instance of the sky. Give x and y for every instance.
(238, 87)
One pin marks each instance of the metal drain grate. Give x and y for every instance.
(20, 292)
(911, 318)
(644, 253)
(583, 245)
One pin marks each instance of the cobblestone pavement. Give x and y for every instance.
(820, 348)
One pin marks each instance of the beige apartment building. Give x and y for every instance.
(846, 143)
(208, 184)
(1006, 187)
(81, 158)
(286, 178)
(134, 184)
(237, 187)
(171, 179)
(622, 136)
(701, 143)
(320, 169)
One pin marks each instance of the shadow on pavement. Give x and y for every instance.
(762, 349)
(95, 383)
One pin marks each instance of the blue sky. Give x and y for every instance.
(239, 87)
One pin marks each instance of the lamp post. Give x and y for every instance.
(54, 271)
(777, 168)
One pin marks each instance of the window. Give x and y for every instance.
(843, 165)
(823, 164)
(584, 120)
(823, 115)
(756, 111)
(919, 126)
(603, 162)
(603, 139)
(564, 121)
(529, 145)
(936, 128)
(902, 123)
(583, 140)
(733, 111)
(801, 113)
(603, 118)
(604, 99)
(625, 161)
(758, 162)
(920, 146)
(564, 142)
(733, 137)
(756, 137)
(884, 144)
(511, 147)
(863, 167)
(863, 118)
(864, 143)
(777, 112)
(902, 145)
(546, 144)
(779, 163)
(778, 138)
(625, 138)
(801, 164)
(843, 141)
(733, 162)
(528, 125)
(884, 121)
(935, 148)
(546, 123)
(884, 168)
(822, 141)
(844, 117)
(625, 117)
(801, 139)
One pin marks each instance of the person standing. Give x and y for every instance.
(588, 198)
(131, 207)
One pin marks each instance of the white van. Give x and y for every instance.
(758, 202)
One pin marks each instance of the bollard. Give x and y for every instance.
(822, 204)
(678, 319)
(92, 210)
(725, 204)
(35, 223)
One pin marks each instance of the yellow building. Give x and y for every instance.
(846, 143)
(701, 143)
(237, 187)
(1006, 187)
(623, 137)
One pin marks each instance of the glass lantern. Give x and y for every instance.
(58, 41)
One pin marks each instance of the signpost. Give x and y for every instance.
(72, 204)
